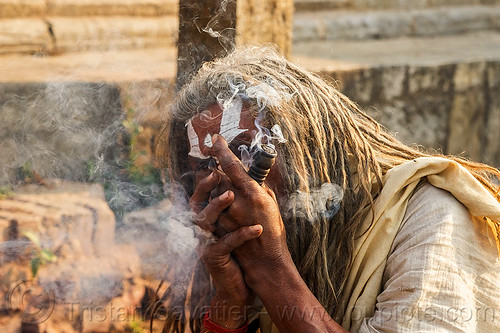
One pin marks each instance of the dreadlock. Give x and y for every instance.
(329, 140)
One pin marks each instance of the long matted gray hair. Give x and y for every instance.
(329, 140)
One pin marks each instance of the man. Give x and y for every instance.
(397, 252)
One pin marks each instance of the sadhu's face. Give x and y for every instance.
(236, 125)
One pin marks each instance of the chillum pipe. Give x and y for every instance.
(263, 160)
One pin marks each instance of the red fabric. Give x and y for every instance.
(213, 327)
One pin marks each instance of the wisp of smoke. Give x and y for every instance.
(264, 95)
(56, 128)
(323, 202)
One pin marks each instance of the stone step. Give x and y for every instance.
(309, 5)
(159, 63)
(90, 66)
(24, 8)
(301, 5)
(402, 51)
(21, 8)
(67, 34)
(355, 25)
(31, 35)
(59, 34)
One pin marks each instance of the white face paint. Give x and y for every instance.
(201, 127)
(230, 123)
(194, 141)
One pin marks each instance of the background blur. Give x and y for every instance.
(84, 87)
(428, 69)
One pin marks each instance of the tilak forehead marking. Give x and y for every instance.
(193, 141)
(201, 138)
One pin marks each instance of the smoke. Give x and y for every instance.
(226, 35)
(85, 132)
(54, 129)
(263, 95)
(82, 132)
(323, 202)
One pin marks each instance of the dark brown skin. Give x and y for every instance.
(264, 265)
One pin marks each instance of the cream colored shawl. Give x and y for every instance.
(372, 248)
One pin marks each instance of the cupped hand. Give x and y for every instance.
(252, 204)
(228, 307)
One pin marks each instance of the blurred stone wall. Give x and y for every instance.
(57, 128)
(386, 4)
(89, 269)
(454, 108)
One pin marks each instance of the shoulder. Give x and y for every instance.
(441, 273)
(433, 218)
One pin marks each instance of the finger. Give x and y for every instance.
(230, 163)
(202, 192)
(235, 239)
(232, 218)
(225, 224)
(218, 254)
(223, 185)
(208, 216)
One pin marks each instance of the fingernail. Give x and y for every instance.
(256, 228)
(214, 138)
(217, 175)
(225, 195)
